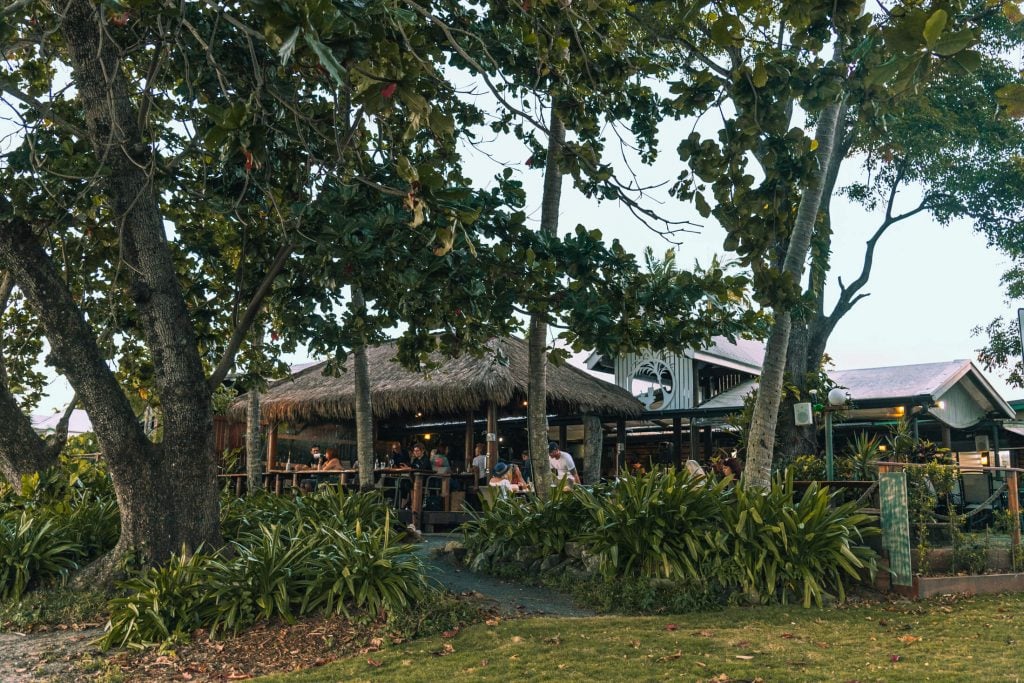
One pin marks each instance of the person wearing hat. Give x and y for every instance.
(562, 464)
(507, 478)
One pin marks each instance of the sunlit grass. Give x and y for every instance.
(940, 640)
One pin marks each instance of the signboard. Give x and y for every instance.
(892, 492)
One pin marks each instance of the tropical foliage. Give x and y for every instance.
(706, 536)
(327, 552)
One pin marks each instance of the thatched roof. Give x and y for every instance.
(459, 385)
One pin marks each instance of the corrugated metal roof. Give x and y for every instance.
(747, 353)
(79, 423)
(900, 381)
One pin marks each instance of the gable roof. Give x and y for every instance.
(457, 386)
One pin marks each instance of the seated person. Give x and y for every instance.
(420, 460)
(332, 463)
(439, 463)
(398, 457)
(507, 478)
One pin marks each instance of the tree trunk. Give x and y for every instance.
(363, 407)
(537, 395)
(22, 451)
(167, 493)
(593, 446)
(761, 441)
(791, 439)
(253, 445)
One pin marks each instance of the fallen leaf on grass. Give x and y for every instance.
(553, 640)
(373, 662)
(742, 643)
(671, 627)
(701, 665)
(744, 657)
(493, 621)
(635, 644)
(675, 655)
(516, 639)
(446, 649)
(908, 639)
(894, 658)
(450, 634)
(788, 636)
(823, 646)
(562, 666)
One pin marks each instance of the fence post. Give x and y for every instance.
(1013, 503)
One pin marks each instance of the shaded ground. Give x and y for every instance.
(510, 599)
(67, 654)
(47, 655)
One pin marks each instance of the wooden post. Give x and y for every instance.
(677, 442)
(492, 434)
(693, 440)
(1013, 505)
(417, 500)
(563, 435)
(468, 441)
(620, 445)
(272, 448)
(708, 445)
(947, 438)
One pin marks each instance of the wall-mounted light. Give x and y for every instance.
(526, 403)
(899, 411)
(418, 415)
(984, 459)
(941, 405)
(882, 447)
(426, 437)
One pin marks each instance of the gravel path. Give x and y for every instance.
(512, 598)
(45, 656)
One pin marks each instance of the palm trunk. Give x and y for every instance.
(593, 445)
(761, 441)
(363, 407)
(253, 445)
(537, 395)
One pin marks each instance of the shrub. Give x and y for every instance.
(661, 525)
(33, 549)
(319, 556)
(515, 522)
(163, 605)
(781, 548)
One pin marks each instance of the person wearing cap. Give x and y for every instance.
(507, 478)
(562, 464)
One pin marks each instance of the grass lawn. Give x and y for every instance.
(949, 639)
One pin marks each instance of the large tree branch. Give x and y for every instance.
(73, 348)
(56, 441)
(251, 311)
(112, 120)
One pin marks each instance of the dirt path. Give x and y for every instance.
(43, 656)
(511, 598)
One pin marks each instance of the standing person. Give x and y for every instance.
(480, 463)
(525, 466)
(562, 463)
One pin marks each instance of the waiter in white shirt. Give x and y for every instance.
(561, 463)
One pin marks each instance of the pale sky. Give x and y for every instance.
(929, 286)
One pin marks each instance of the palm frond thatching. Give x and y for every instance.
(459, 385)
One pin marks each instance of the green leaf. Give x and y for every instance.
(760, 75)
(326, 57)
(952, 43)
(727, 31)
(934, 26)
(1011, 99)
